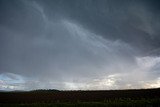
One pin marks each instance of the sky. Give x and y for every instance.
(79, 44)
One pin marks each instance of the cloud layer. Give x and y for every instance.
(75, 44)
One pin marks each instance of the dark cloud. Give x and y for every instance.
(78, 44)
(134, 21)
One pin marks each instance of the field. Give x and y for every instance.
(99, 98)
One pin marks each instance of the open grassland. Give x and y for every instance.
(55, 98)
(108, 103)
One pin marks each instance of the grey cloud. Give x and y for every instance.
(78, 44)
(135, 21)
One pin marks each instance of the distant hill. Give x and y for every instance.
(44, 90)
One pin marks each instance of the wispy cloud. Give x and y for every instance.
(79, 44)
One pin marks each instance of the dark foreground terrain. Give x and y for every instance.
(55, 98)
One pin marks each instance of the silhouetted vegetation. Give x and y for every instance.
(99, 98)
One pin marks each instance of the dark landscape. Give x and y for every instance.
(98, 98)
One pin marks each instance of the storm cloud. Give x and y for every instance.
(79, 44)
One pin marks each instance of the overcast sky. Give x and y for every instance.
(79, 44)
